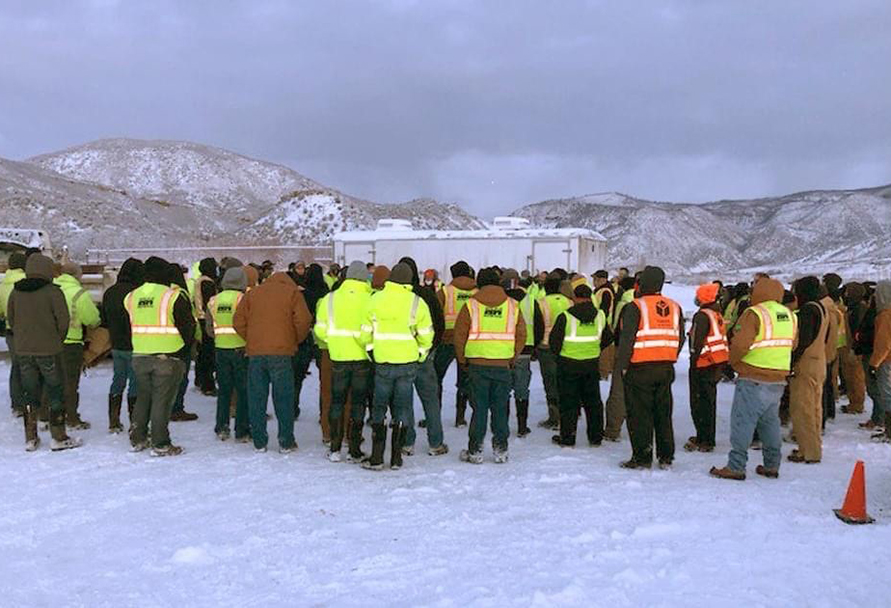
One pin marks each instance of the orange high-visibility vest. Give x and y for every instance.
(658, 331)
(715, 350)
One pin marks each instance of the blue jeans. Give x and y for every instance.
(522, 377)
(882, 406)
(123, 376)
(277, 370)
(393, 383)
(179, 404)
(427, 385)
(755, 407)
(489, 391)
(232, 378)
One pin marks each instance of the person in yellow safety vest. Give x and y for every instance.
(522, 371)
(332, 276)
(615, 402)
(650, 338)
(205, 289)
(341, 317)
(490, 334)
(709, 353)
(453, 298)
(577, 339)
(231, 361)
(604, 298)
(399, 333)
(552, 305)
(82, 313)
(163, 329)
(15, 274)
(761, 353)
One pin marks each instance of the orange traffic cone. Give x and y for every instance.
(854, 509)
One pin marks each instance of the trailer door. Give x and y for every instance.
(547, 255)
(363, 251)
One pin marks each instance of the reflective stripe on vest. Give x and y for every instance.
(152, 326)
(551, 307)
(658, 332)
(493, 330)
(527, 307)
(223, 321)
(772, 348)
(400, 337)
(582, 340)
(332, 330)
(715, 350)
(452, 305)
(198, 297)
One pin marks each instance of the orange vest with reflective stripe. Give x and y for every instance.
(658, 331)
(715, 350)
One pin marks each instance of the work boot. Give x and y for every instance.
(336, 440)
(797, 456)
(397, 438)
(692, 445)
(460, 408)
(131, 405)
(355, 441)
(633, 464)
(471, 457)
(567, 441)
(32, 440)
(378, 443)
(765, 472)
(439, 450)
(167, 450)
(523, 418)
(114, 413)
(552, 422)
(727, 473)
(501, 455)
(183, 416)
(61, 440)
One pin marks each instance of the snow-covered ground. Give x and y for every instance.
(223, 526)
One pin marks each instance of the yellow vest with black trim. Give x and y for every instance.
(222, 309)
(341, 317)
(772, 348)
(455, 300)
(581, 340)
(152, 326)
(493, 330)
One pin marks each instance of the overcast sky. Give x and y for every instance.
(488, 104)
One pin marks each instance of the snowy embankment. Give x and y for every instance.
(223, 526)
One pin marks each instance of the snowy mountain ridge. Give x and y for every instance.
(815, 230)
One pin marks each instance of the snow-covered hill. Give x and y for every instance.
(314, 216)
(816, 230)
(79, 215)
(133, 193)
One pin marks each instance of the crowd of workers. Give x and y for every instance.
(378, 335)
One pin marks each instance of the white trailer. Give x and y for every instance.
(510, 243)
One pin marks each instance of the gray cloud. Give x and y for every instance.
(491, 104)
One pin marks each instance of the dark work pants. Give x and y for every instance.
(204, 362)
(829, 394)
(442, 359)
(179, 402)
(15, 376)
(703, 400)
(349, 379)
(427, 387)
(306, 352)
(232, 374)
(157, 381)
(490, 388)
(72, 365)
(42, 375)
(649, 405)
(580, 389)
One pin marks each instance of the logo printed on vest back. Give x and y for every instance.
(663, 309)
(145, 303)
(493, 312)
